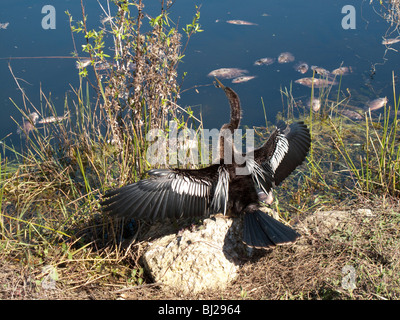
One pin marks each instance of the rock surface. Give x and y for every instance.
(326, 221)
(198, 260)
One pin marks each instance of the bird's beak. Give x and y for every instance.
(220, 84)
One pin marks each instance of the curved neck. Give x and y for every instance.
(234, 103)
(228, 129)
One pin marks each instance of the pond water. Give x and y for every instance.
(311, 30)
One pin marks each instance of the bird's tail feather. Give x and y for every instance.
(261, 230)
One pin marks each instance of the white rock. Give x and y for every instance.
(195, 261)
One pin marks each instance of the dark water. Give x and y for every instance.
(311, 30)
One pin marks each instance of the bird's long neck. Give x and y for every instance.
(228, 129)
(234, 103)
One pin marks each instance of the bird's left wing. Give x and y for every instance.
(286, 148)
(166, 194)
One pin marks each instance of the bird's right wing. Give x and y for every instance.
(166, 194)
(298, 142)
(286, 148)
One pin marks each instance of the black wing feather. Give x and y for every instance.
(166, 194)
(298, 138)
(299, 144)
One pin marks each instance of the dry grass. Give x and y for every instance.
(309, 269)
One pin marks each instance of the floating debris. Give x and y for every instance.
(4, 25)
(390, 41)
(320, 71)
(102, 66)
(28, 124)
(377, 103)
(52, 119)
(227, 73)
(242, 79)
(301, 67)
(264, 61)
(318, 83)
(83, 63)
(342, 71)
(241, 23)
(315, 104)
(353, 115)
(285, 57)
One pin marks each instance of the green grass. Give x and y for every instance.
(376, 169)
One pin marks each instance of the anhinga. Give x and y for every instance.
(176, 193)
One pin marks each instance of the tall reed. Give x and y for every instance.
(377, 167)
